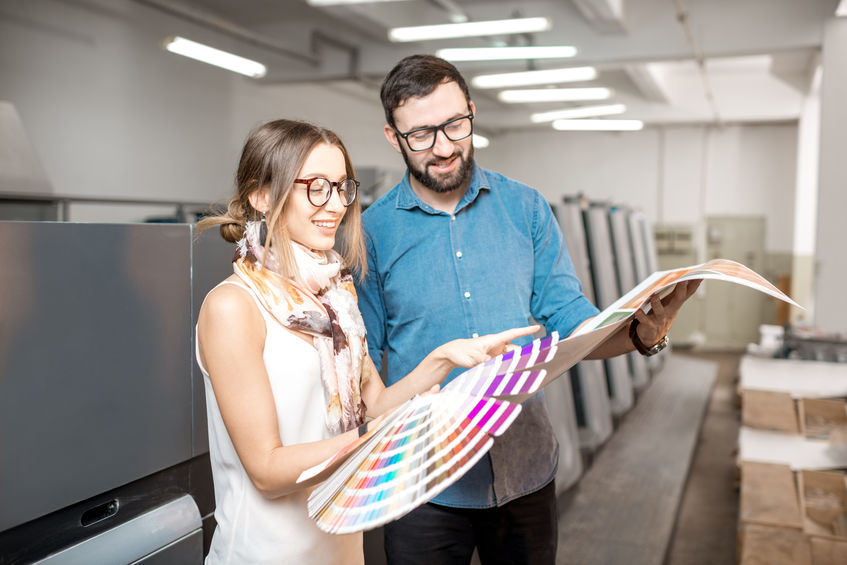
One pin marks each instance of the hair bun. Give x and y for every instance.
(232, 230)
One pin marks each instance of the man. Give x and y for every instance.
(457, 251)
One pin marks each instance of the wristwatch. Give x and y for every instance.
(643, 349)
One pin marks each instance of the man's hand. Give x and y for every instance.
(655, 325)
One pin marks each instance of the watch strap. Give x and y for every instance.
(639, 345)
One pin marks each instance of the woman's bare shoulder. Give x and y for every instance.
(230, 303)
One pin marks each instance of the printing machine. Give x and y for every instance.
(604, 276)
(625, 268)
(102, 415)
(588, 377)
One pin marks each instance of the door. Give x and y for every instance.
(732, 313)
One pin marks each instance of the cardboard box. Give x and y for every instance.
(828, 551)
(823, 502)
(769, 545)
(769, 496)
(768, 410)
(820, 416)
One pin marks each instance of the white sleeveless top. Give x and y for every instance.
(252, 528)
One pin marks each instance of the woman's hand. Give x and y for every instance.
(473, 351)
(655, 325)
(434, 368)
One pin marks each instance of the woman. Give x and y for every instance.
(282, 347)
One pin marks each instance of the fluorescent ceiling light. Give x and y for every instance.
(841, 10)
(554, 95)
(469, 29)
(212, 56)
(581, 112)
(480, 141)
(598, 125)
(531, 78)
(341, 2)
(506, 53)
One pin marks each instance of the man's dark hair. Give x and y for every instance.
(414, 77)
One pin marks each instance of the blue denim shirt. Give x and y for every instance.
(494, 264)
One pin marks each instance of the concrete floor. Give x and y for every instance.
(706, 526)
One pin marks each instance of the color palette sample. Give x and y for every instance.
(425, 445)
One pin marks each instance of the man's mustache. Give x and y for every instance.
(440, 162)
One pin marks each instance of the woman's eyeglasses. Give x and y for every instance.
(319, 190)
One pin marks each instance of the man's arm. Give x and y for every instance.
(557, 299)
(559, 304)
(653, 326)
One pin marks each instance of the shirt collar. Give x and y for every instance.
(408, 200)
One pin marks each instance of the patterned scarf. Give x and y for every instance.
(326, 309)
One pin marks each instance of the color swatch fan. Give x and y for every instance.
(423, 447)
(505, 375)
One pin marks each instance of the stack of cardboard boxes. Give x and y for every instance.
(793, 456)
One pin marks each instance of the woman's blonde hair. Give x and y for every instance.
(271, 159)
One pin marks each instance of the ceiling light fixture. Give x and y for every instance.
(598, 125)
(469, 29)
(554, 95)
(216, 57)
(506, 53)
(480, 141)
(532, 78)
(841, 10)
(342, 2)
(581, 112)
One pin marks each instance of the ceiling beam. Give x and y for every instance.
(603, 15)
(226, 27)
(648, 81)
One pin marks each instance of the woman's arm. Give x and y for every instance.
(231, 335)
(434, 368)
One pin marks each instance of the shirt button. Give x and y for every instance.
(474, 334)
(459, 254)
(467, 294)
(452, 217)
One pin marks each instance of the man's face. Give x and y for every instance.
(447, 165)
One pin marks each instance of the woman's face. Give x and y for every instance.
(309, 225)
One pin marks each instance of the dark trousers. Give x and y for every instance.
(521, 531)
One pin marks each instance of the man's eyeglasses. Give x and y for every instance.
(424, 138)
(319, 190)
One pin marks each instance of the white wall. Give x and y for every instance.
(676, 175)
(806, 205)
(606, 166)
(831, 306)
(109, 112)
(358, 117)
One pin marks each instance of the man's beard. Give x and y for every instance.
(446, 183)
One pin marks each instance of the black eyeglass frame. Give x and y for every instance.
(332, 184)
(435, 130)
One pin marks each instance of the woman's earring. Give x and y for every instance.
(263, 231)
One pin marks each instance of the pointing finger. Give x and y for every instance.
(514, 333)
